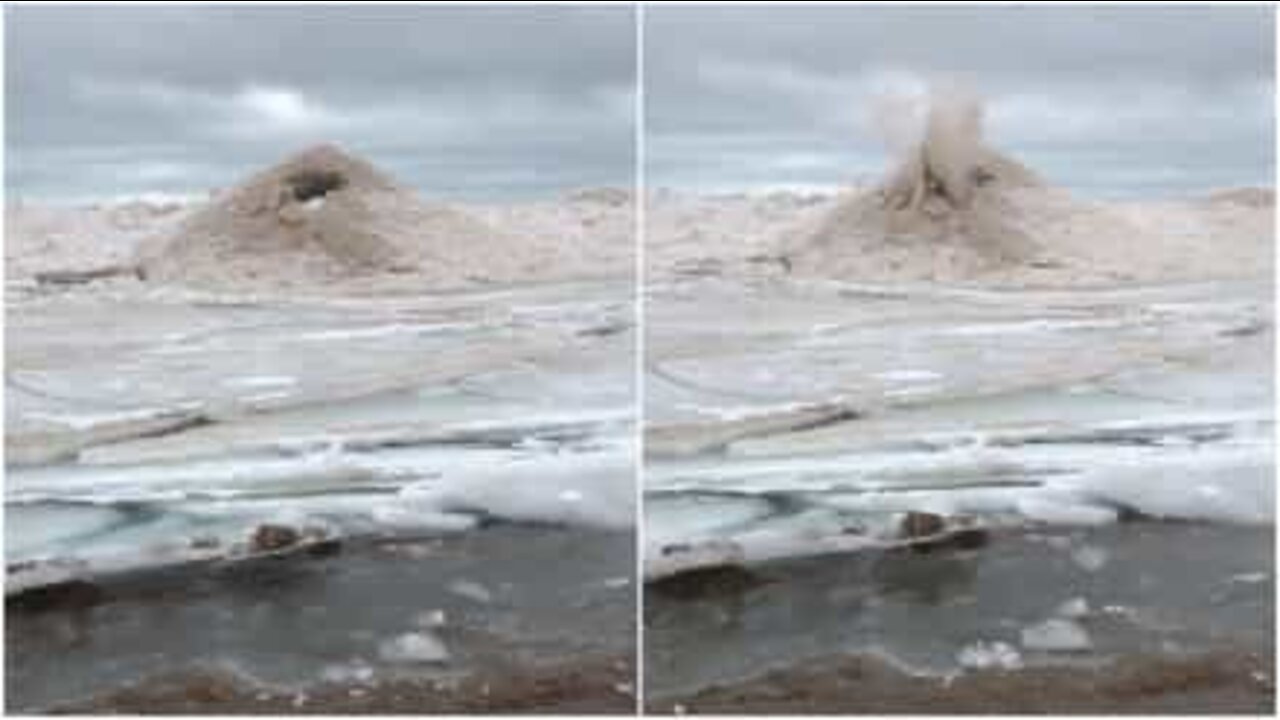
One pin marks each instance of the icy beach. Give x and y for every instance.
(956, 469)
(386, 459)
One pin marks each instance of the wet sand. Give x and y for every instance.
(1225, 682)
(585, 687)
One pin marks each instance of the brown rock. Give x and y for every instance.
(921, 525)
(269, 538)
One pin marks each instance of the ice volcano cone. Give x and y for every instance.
(321, 216)
(948, 210)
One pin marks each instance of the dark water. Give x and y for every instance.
(553, 595)
(1160, 588)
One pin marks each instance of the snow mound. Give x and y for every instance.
(324, 215)
(954, 209)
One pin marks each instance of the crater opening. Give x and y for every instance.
(310, 184)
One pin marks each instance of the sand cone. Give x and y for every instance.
(319, 216)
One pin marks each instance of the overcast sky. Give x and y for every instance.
(513, 102)
(1108, 101)
(463, 102)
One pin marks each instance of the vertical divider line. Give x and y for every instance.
(4, 202)
(1275, 279)
(639, 199)
(638, 212)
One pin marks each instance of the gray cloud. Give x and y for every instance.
(460, 101)
(501, 101)
(1107, 100)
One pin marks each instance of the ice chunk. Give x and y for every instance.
(590, 488)
(1252, 578)
(1090, 558)
(1074, 608)
(982, 655)
(691, 517)
(1228, 482)
(430, 619)
(414, 647)
(357, 670)
(673, 559)
(1058, 511)
(471, 591)
(1056, 635)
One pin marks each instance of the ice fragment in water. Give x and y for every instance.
(1074, 608)
(430, 619)
(471, 590)
(982, 655)
(414, 647)
(344, 673)
(1249, 578)
(1090, 558)
(1056, 635)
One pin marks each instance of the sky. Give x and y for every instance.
(1107, 101)
(460, 102)
(514, 102)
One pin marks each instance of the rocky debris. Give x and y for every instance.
(925, 531)
(274, 538)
